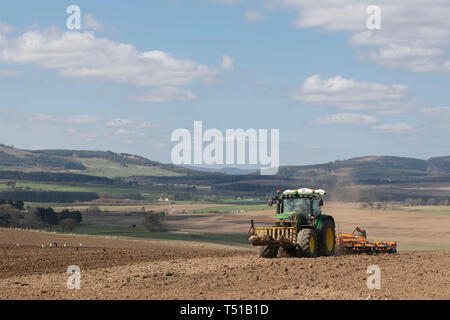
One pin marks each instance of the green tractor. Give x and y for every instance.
(300, 230)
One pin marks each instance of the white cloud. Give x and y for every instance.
(227, 63)
(359, 119)
(414, 34)
(345, 118)
(164, 94)
(447, 65)
(129, 123)
(144, 124)
(119, 123)
(90, 22)
(72, 119)
(417, 59)
(9, 73)
(440, 116)
(437, 112)
(5, 28)
(393, 127)
(86, 136)
(349, 94)
(125, 134)
(68, 119)
(121, 132)
(252, 15)
(45, 118)
(83, 55)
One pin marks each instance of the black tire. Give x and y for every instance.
(393, 250)
(287, 252)
(307, 243)
(269, 251)
(328, 230)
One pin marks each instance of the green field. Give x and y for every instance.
(258, 207)
(37, 186)
(149, 193)
(110, 169)
(124, 232)
(109, 208)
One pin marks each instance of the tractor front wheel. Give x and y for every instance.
(307, 243)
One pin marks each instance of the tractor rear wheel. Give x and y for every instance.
(307, 243)
(270, 251)
(327, 239)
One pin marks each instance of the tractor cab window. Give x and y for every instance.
(297, 205)
(316, 207)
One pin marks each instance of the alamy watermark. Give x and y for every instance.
(73, 22)
(74, 279)
(235, 147)
(374, 281)
(374, 20)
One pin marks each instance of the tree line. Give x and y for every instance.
(16, 204)
(53, 177)
(49, 196)
(12, 214)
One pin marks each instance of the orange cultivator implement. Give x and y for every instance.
(356, 243)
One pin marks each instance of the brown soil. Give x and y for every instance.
(129, 269)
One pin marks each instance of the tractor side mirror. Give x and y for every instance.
(321, 202)
(271, 202)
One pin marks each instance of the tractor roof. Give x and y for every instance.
(303, 193)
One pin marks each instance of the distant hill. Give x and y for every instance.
(371, 169)
(97, 163)
(363, 170)
(358, 169)
(439, 165)
(23, 159)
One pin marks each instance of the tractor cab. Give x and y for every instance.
(304, 208)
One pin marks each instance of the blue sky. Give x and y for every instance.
(134, 73)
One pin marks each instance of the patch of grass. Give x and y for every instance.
(163, 235)
(46, 204)
(190, 202)
(37, 186)
(112, 208)
(244, 202)
(110, 169)
(232, 208)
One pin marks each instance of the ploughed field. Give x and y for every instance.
(152, 269)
